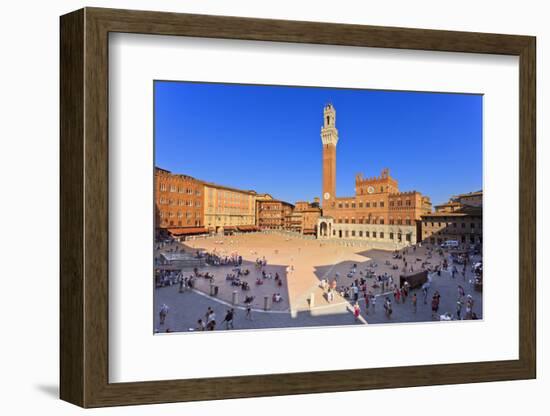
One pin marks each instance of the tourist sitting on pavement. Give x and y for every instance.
(248, 299)
(259, 281)
(211, 324)
(200, 325)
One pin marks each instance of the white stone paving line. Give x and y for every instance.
(286, 311)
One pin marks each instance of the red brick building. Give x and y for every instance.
(460, 219)
(304, 217)
(377, 212)
(274, 214)
(179, 206)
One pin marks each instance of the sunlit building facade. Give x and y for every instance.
(378, 212)
(228, 208)
(179, 203)
(460, 219)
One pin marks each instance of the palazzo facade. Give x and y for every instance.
(274, 214)
(227, 208)
(304, 217)
(460, 219)
(378, 212)
(179, 203)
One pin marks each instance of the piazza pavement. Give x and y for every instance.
(301, 265)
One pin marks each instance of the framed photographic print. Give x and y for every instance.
(256, 207)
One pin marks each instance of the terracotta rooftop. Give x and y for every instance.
(465, 211)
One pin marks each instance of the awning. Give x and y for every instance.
(247, 228)
(187, 231)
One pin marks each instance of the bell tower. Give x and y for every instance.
(329, 138)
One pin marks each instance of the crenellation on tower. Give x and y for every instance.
(378, 211)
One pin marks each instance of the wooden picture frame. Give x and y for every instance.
(84, 207)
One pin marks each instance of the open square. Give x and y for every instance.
(302, 264)
(233, 252)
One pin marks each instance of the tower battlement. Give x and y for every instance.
(383, 177)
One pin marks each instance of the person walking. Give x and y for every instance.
(207, 314)
(470, 301)
(229, 318)
(435, 305)
(460, 292)
(249, 312)
(356, 311)
(163, 313)
(414, 302)
(458, 309)
(388, 307)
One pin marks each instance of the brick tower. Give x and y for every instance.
(329, 138)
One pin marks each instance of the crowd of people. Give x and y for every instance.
(209, 321)
(217, 259)
(361, 288)
(366, 283)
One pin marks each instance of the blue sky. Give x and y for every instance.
(267, 138)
